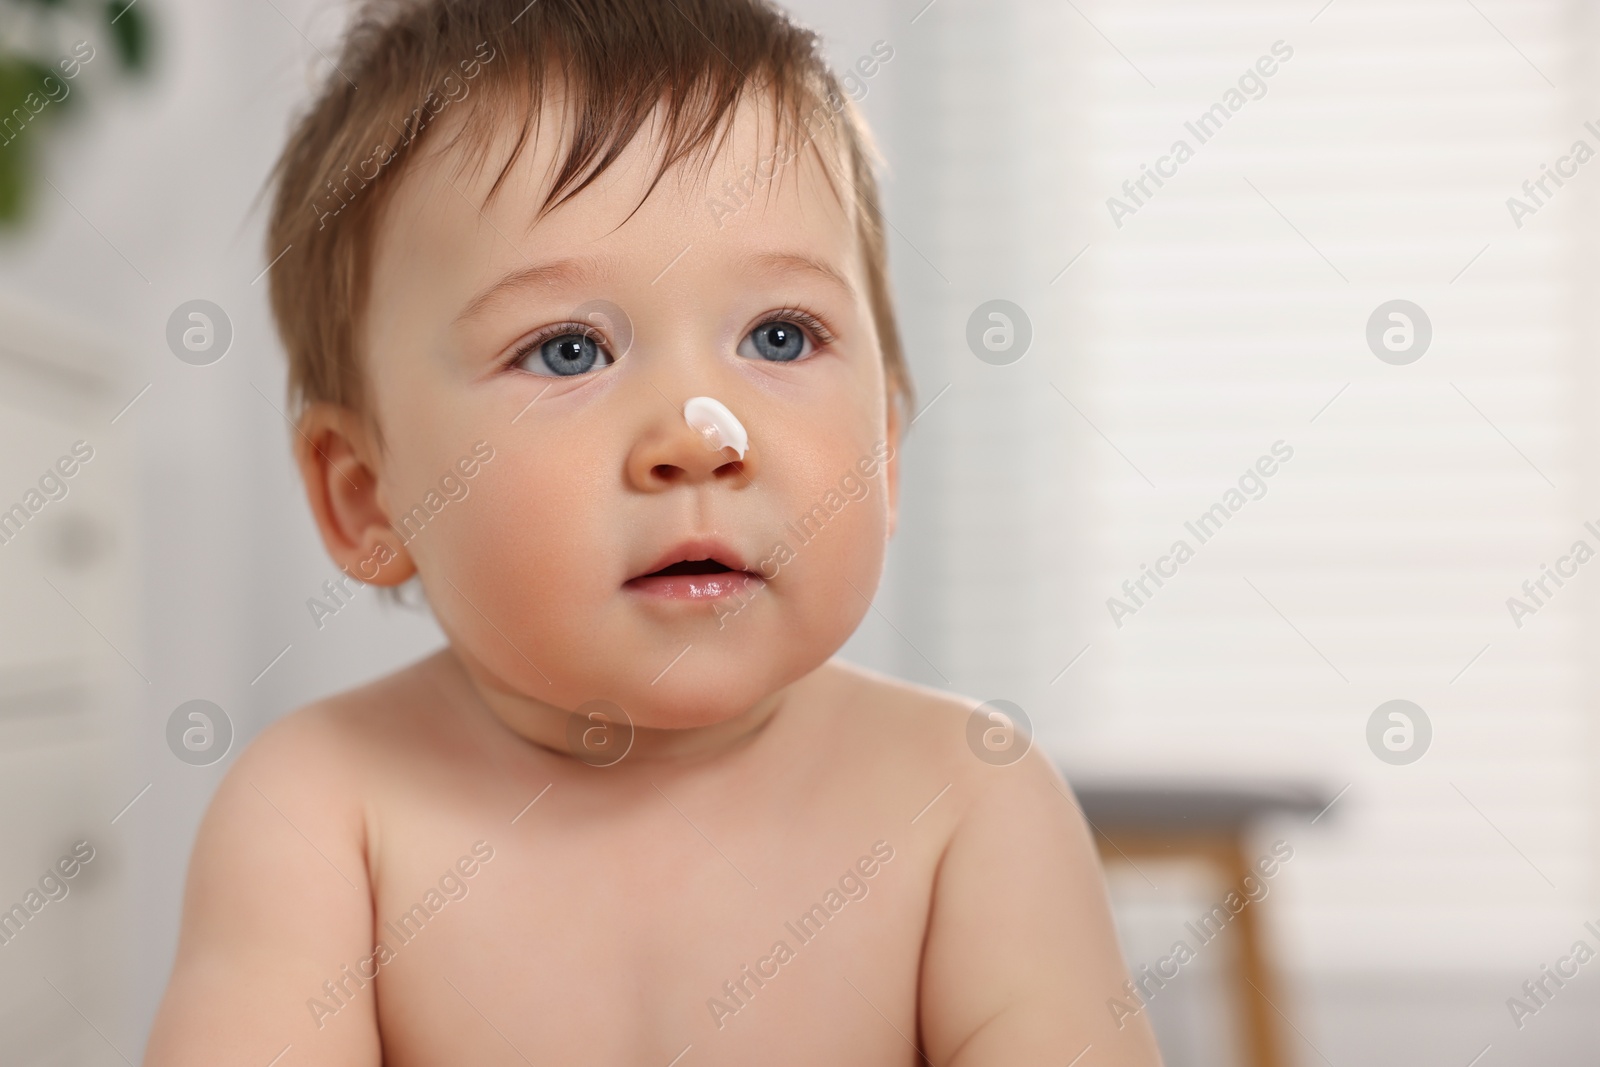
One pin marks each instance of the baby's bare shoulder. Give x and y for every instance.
(896, 703)
(279, 888)
(353, 729)
(314, 764)
(917, 734)
(908, 723)
(1002, 824)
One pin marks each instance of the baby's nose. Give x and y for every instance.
(695, 449)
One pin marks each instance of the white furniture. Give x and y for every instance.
(68, 698)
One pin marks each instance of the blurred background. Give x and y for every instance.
(1365, 270)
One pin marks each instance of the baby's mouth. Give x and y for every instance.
(698, 573)
(689, 566)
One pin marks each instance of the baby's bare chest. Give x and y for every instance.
(668, 919)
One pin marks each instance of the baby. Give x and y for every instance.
(589, 329)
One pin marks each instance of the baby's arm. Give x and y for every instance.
(277, 901)
(1021, 955)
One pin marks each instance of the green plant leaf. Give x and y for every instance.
(21, 78)
(130, 33)
(14, 170)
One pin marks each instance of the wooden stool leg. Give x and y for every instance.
(1253, 980)
(1255, 983)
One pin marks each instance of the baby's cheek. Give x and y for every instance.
(837, 545)
(820, 597)
(519, 552)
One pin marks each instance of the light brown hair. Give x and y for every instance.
(403, 62)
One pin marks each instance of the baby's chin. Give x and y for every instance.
(715, 687)
(614, 708)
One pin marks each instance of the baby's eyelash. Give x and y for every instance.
(531, 345)
(810, 321)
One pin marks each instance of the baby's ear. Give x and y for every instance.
(338, 465)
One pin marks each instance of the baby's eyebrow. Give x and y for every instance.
(800, 263)
(574, 270)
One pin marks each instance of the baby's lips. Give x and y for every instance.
(697, 548)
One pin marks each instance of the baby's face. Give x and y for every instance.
(595, 477)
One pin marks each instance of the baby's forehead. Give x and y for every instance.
(763, 179)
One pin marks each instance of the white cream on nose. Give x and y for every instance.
(711, 419)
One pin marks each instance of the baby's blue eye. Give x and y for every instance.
(564, 355)
(778, 341)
